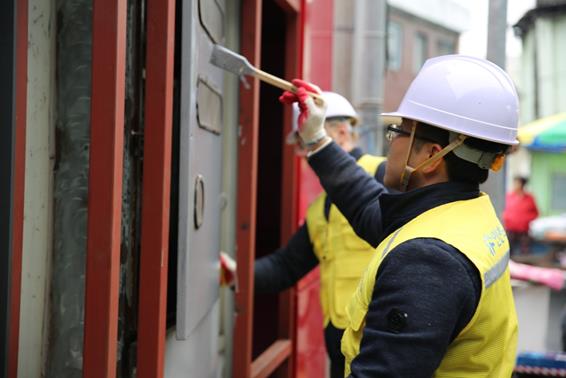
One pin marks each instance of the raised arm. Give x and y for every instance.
(349, 187)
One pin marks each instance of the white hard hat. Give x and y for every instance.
(338, 106)
(466, 95)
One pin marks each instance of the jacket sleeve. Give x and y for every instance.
(533, 209)
(425, 293)
(351, 189)
(287, 265)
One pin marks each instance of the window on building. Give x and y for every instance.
(445, 47)
(394, 45)
(558, 199)
(420, 51)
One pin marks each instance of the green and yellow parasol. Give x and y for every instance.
(545, 134)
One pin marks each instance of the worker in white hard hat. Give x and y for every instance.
(436, 298)
(326, 240)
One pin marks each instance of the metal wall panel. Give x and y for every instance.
(196, 357)
(200, 173)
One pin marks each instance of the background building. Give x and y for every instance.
(413, 32)
(417, 32)
(542, 91)
(541, 84)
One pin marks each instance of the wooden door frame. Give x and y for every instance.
(282, 349)
(105, 188)
(152, 308)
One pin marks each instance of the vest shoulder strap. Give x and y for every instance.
(471, 226)
(315, 215)
(370, 163)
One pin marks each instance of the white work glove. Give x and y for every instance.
(311, 116)
(228, 268)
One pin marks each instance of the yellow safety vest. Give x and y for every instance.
(486, 347)
(342, 254)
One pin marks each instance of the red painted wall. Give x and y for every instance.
(317, 67)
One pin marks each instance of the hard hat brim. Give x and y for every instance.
(396, 118)
(392, 118)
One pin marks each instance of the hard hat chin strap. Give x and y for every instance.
(408, 171)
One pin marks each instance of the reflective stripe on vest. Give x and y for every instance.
(486, 346)
(343, 256)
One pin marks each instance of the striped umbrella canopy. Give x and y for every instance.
(545, 134)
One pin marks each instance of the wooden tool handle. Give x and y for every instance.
(283, 84)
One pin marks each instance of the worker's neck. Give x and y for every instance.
(420, 180)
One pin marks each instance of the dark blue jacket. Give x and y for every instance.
(425, 292)
(287, 265)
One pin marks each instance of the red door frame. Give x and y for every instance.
(282, 349)
(250, 46)
(18, 183)
(317, 25)
(152, 309)
(105, 188)
(289, 200)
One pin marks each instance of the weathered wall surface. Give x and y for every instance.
(73, 72)
(38, 206)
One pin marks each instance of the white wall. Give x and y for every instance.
(532, 303)
(550, 33)
(38, 188)
(539, 311)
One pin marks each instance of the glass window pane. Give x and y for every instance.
(394, 45)
(445, 47)
(420, 51)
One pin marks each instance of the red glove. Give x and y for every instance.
(311, 116)
(227, 270)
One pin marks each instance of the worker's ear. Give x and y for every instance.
(433, 149)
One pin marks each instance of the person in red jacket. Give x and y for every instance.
(520, 210)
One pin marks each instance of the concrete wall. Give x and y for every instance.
(542, 86)
(38, 208)
(73, 73)
(342, 51)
